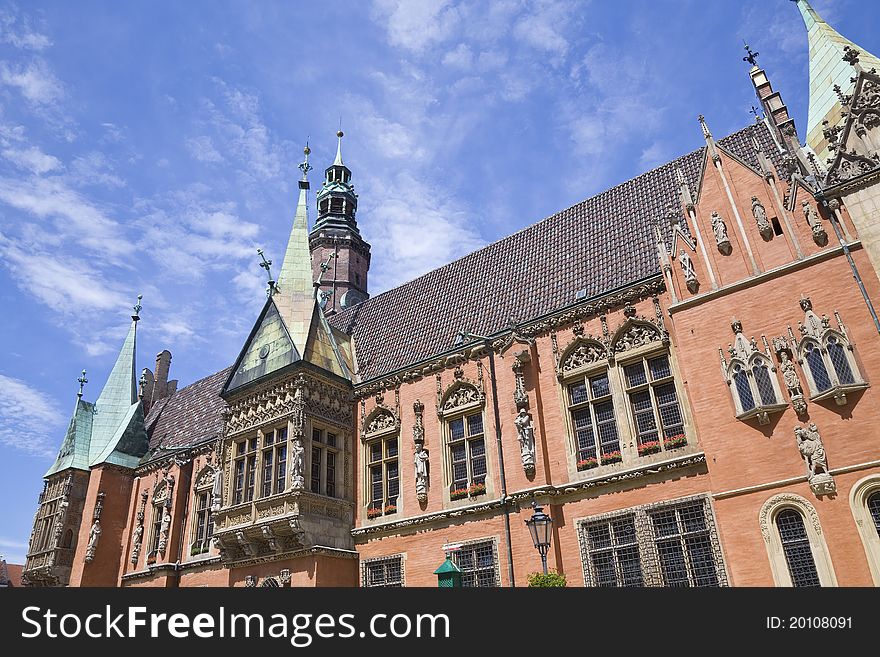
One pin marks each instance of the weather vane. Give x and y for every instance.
(751, 57)
(754, 110)
(137, 308)
(82, 380)
(265, 265)
(305, 167)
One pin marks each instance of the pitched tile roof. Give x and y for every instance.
(598, 245)
(190, 416)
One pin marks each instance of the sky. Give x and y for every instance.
(151, 147)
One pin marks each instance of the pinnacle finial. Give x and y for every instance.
(82, 380)
(266, 264)
(754, 110)
(751, 56)
(339, 136)
(305, 167)
(702, 120)
(137, 308)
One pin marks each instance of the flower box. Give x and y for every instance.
(611, 457)
(198, 549)
(673, 442)
(390, 509)
(650, 447)
(374, 513)
(458, 493)
(586, 464)
(476, 489)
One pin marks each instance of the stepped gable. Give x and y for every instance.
(601, 244)
(190, 416)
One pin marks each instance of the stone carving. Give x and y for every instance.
(95, 531)
(245, 544)
(585, 353)
(813, 452)
(690, 274)
(719, 228)
(381, 421)
(274, 545)
(520, 396)
(462, 395)
(217, 488)
(526, 437)
(420, 457)
(792, 381)
(760, 215)
(284, 576)
(820, 237)
(250, 581)
(786, 499)
(164, 530)
(637, 335)
(297, 479)
(139, 530)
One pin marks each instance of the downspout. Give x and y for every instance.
(503, 498)
(819, 196)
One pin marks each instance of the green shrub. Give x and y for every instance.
(540, 580)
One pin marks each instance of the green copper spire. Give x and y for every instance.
(827, 70)
(338, 161)
(74, 452)
(291, 326)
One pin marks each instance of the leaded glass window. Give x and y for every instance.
(796, 546)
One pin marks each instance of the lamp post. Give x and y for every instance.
(539, 527)
(487, 342)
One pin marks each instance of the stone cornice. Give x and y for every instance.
(527, 330)
(339, 553)
(569, 489)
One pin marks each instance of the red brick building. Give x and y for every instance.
(679, 370)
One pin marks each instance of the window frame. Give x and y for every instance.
(492, 544)
(467, 439)
(384, 561)
(323, 448)
(860, 493)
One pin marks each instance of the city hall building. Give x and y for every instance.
(682, 371)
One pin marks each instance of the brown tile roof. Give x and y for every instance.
(598, 245)
(188, 417)
(13, 575)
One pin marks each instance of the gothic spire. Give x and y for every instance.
(338, 161)
(828, 69)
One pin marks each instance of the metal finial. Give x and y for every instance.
(702, 120)
(305, 167)
(266, 264)
(82, 380)
(137, 308)
(754, 110)
(751, 56)
(851, 56)
(142, 383)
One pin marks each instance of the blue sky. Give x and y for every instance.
(151, 147)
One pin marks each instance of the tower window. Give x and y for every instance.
(777, 229)
(357, 279)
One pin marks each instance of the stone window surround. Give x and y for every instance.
(367, 440)
(858, 501)
(626, 433)
(157, 504)
(759, 407)
(198, 490)
(836, 385)
(339, 450)
(446, 416)
(495, 561)
(398, 555)
(772, 541)
(643, 530)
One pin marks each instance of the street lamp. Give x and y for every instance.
(539, 527)
(487, 343)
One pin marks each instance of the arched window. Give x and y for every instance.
(67, 543)
(380, 437)
(864, 502)
(461, 410)
(751, 377)
(827, 356)
(203, 528)
(795, 544)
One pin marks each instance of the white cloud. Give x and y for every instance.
(32, 159)
(19, 34)
(202, 149)
(94, 168)
(73, 216)
(460, 57)
(540, 28)
(654, 155)
(415, 25)
(35, 82)
(29, 419)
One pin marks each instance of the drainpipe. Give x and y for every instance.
(834, 206)
(487, 342)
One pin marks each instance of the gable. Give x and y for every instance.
(269, 348)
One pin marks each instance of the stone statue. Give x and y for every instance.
(420, 459)
(813, 452)
(720, 230)
(297, 480)
(136, 543)
(690, 274)
(792, 383)
(92, 547)
(760, 214)
(164, 528)
(812, 217)
(217, 488)
(526, 436)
